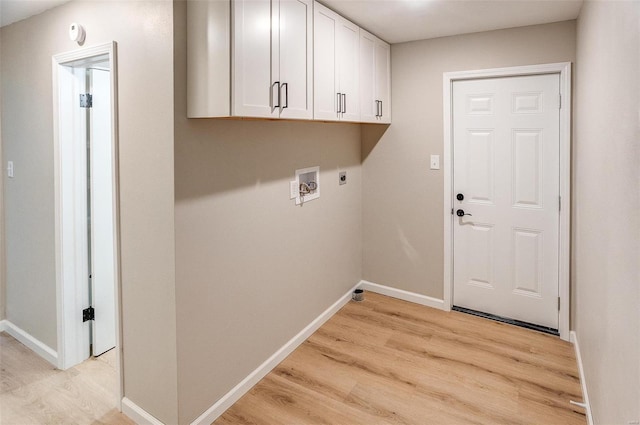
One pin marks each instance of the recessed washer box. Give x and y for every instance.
(308, 184)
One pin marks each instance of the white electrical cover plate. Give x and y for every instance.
(435, 162)
(293, 190)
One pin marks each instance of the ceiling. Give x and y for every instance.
(15, 10)
(397, 21)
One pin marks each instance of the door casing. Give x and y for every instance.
(71, 283)
(564, 70)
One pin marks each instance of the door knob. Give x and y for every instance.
(460, 197)
(461, 213)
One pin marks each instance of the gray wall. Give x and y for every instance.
(2, 238)
(607, 207)
(2, 256)
(402, 198)
(144, 34)
(253, 269)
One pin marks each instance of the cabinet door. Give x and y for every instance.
(348, 54)
(296, 58)
(383, 79)
(325, 71)
(368, 101)
(253, 85)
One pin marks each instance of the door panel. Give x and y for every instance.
(252, 65)
(368, 98)
(383, 73)
(103, 289)
(348, 39)
(506, 164)
(295, 52)
(325, 77)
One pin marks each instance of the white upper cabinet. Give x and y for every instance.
(336, 62)
(293, 59)
(374, 79)
(325, 70)
(296, 58)
(269, 74)
(253, 73)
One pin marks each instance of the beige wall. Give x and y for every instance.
(144, 34)
(2, 258)
(607, 207)
(253, 269)
(402, 198)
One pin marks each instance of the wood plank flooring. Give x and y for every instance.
(32, 391)
(386, 361)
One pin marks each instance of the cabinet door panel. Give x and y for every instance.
(295, 51)
(368, 99)
(324, 64)
(383, 78)
(348, 59)
(252, 72)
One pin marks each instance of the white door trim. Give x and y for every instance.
(564, 69)
(69, 292)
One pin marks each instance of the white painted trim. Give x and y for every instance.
(583, 381)
(71, 333)
(138, 414)
(402, 295)
(212, 413)
(35, 345)
(564, 69)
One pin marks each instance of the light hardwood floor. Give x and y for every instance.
(32, 391)
(386, 361)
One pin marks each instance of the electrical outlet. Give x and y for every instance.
(342, 177)
(10, 169)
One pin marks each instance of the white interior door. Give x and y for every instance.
(102, 218)
(506, 166)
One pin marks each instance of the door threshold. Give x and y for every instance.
(496, 318)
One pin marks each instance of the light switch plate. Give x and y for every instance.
(435, 162)
(10, 169)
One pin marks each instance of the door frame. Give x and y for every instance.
(69, 245)
(564, 70)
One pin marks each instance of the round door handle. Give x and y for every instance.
(461, 213)
(460, 197)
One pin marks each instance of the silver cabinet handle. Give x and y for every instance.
(344, 100)
(286, 96)
(339, 103)
(380, 109)
(278, 84)
(377, 108)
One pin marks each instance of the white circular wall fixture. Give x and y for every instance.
(76, 33)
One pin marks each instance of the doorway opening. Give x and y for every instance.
(86, 199)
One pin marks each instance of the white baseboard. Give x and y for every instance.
(35, 345)
(402, 294)
(254, 377)
(138, 414)
(574, 339)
